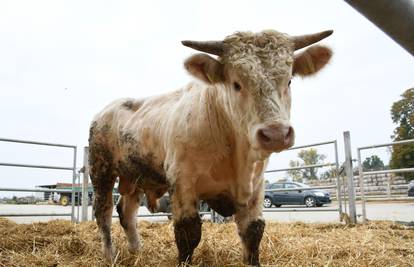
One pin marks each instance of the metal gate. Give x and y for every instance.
(362, 173)
(20, 165)
(337, 186)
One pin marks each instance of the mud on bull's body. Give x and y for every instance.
(209, 140)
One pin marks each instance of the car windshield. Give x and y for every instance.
(302, 185)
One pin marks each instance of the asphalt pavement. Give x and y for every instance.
(394, 211)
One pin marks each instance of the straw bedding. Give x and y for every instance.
(61, 243)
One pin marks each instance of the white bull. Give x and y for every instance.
(207, 141)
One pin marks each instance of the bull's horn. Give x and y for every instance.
(308, 39)
(211, 47)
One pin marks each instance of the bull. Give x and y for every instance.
(209, 140)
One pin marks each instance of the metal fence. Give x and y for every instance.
(345, 189)
(337, 186)
(21, 165)
(362, 173)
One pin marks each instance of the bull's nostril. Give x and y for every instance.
(263, 137)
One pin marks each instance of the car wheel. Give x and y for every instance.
(310, 202)
(267, 203)
(278, 205)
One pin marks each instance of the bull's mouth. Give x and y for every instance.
(277, 147)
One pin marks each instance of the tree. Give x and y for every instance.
(402, 114)
(330, 174)
(373, 163)
(307, 157)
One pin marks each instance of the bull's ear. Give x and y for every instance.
(311, 60)
(205, 68)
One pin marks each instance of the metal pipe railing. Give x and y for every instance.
(9, 189)
(160, 214)
(73, 168)
(312, 145)
(35, 214)
(300, 189)
(394, 17)
(404, 170)
(338, 183)
(361, 186)
(298, 209)
(362, 173)
(35, 166)
(302, 167)
(34, 143)
(402, 142)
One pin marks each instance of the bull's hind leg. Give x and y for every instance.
(103, 205)
(127, 209)
(103, 180)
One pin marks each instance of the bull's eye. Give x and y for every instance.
(236, 86)
(290, 81)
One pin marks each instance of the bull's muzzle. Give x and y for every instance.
(276, 137)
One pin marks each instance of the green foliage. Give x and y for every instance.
(402, 114)
(330, 174)
(373, 163)
(307, 157)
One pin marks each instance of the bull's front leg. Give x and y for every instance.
(251, 224)
(187, 223)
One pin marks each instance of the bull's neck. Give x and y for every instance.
(217, 108)
(240, 154)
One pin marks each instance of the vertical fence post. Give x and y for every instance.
(361, 186)
(350, 176)
(338, 182)
(85, 184)
(73, 185)
(388, 186)
(78, 200)
(344, 189)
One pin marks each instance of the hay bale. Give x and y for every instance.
(61, 243)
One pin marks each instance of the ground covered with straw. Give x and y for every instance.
(61, 243)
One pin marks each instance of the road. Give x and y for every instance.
(375, 211)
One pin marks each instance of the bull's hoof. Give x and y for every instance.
(134, 247)
(252, 263)
(108, 253)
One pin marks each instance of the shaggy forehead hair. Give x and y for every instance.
(268, 53)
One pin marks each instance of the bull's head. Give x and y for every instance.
(254, 71)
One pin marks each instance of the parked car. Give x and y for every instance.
(309, 197)
(165, 205)
(411, 189)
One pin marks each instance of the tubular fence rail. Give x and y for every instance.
(362, 173)
(344, 185)
(337, 186)
(72, 168)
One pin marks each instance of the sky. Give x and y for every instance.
(61, 62)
